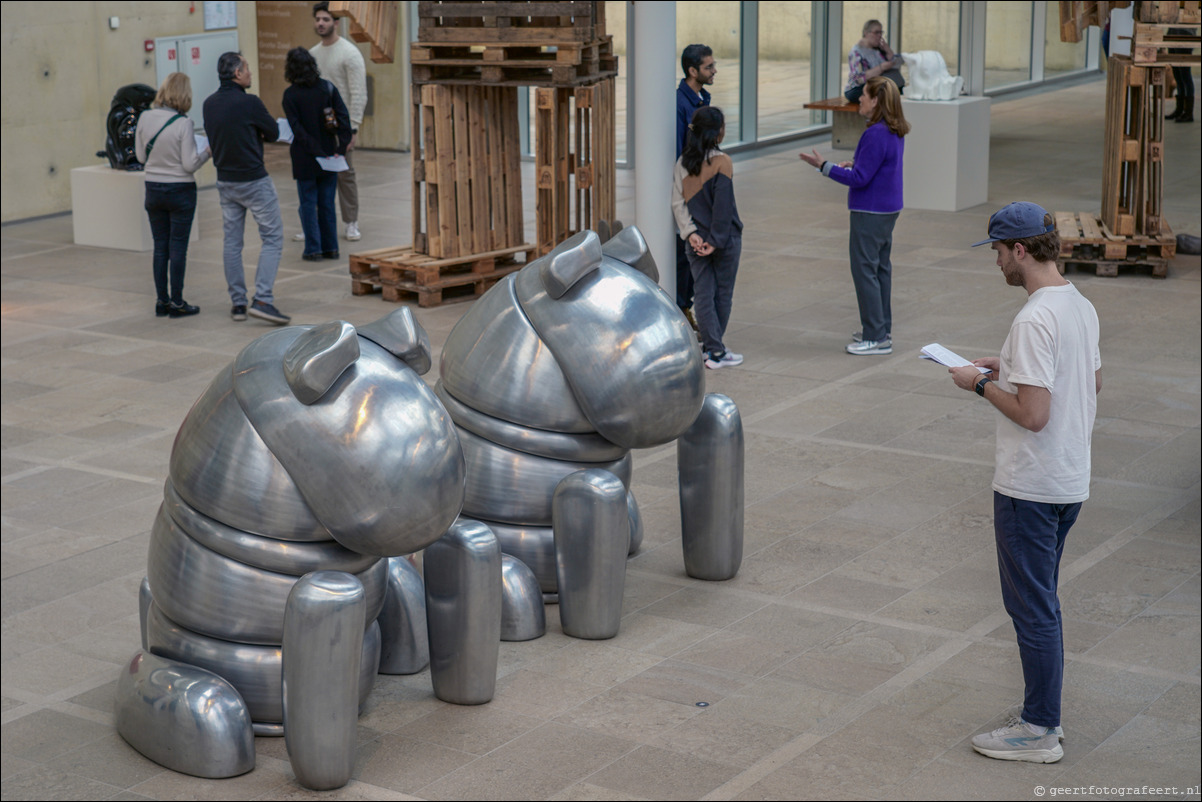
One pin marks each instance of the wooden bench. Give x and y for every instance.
(846, 122)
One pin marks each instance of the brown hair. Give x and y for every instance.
(175, 93)
(888, 105)
(870, 23)
(1042, 247)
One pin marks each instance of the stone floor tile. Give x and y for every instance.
(663, 774)
(406, 764)
(473, 729)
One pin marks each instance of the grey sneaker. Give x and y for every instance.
(268, 312)
(870, 347)
(1059, 733)
(859, 336)
(1018, 740)
(726, 359)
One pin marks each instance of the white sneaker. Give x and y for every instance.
(298, 237)
(726, 360)
(870, 347)
(352, 232)
(1018, 740)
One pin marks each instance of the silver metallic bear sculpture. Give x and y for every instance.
(566, 366)
(319, 449)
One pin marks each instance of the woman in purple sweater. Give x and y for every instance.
(874, 178)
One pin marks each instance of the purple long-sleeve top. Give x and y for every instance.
(875, 177)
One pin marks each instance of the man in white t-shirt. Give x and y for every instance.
(1045, 384)
(341, 63)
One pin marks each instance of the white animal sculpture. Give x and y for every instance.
(929, 78)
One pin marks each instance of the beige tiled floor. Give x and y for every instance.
(862, 643)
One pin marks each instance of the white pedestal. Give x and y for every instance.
(946, 164)
(107, 209)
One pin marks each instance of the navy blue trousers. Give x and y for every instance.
(1030, 541)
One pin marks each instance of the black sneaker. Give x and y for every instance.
(269, 313)
(238, 312)
(182, 309)
(329, 254)
(311, 257)
(161, 309)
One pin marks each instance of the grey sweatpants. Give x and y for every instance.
(714, 291)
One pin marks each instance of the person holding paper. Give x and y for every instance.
(166, 144)
(321, 127)
(1045, 384)
(238, 124)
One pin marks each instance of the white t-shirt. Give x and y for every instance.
(1053, 343)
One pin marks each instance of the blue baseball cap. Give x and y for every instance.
(1017, 220)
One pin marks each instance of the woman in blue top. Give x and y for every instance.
(874, 178)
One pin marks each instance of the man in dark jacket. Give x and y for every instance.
(697, 63)
(237, 125)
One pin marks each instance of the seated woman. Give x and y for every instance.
(870, 57)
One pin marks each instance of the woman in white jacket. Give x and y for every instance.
(166, 144)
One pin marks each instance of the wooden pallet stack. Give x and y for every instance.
(1086, 241)
(574, 160)
(1133, 157)
(468, 225)
(374, 22)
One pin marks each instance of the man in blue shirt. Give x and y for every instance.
(697, 63)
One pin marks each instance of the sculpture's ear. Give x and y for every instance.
(607, 229)
(628, 246)
(318, 357)
(401, 335)
(570, 261)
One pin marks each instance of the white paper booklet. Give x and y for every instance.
(285, 129)
(202, 142)
(333, 164)
(937, 353)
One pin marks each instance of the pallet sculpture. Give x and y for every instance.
(1131, 230)
(468, 222)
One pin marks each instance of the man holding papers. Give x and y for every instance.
(238, 124)
(1045, 385)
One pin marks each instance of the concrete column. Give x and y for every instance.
(654, 72)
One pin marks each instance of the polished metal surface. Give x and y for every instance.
(223, 469)
(628, 247)
(378, 434)
(318, 357)
(224, 598)
(145, 599)
(401, 335)
(540, 442)
(463, 613)
(568, 262)
(323, 644)
(514, 487)
(296, 559)
(627, 351)
(184, 718)
(709, 460)
(592, 540)
(253, 670)
(636, 524)
(494, 362)
(522, 613)
(405, 646)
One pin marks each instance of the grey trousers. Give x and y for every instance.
(348, 191)
(714, 291)
(869, 245)
(259, 198)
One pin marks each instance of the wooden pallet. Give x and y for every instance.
(1133, 157)
(574, 161)
(1086, 240)
(467, 175)
(562, 64)
(1154, 43)
(1187, 11)
(372, 22)
(402, 274)
(511, 22)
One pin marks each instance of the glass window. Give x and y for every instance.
(931, 26)
(1007, 43)
(1060, 57)
(716, 25)
(784, 68)
(855, 15)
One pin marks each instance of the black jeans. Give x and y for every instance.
(171, 208)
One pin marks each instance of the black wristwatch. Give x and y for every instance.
(980, 385)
